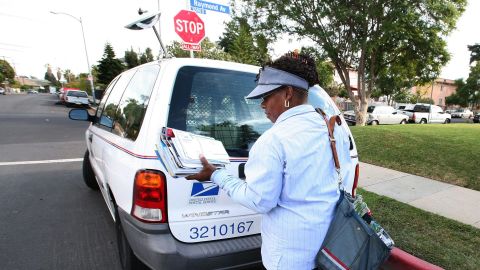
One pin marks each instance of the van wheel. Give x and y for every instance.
(374, 122)
(403, 122)
(423, 121)
(447, 121)
(88, 174)
(128, 260)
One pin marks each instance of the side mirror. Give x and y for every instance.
(80, 115)
(394, 113)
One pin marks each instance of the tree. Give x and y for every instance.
(468, 91)
(68, 75)
(6, 72)
(59, 74)
(143, 59)
(49, 76)
(474, 52)
(149, 55)
(146, 57)
(131, 59)
(364, 35)
(242, 45)
(325, 70)
(210, 50)
(81, 82)
(109, 66)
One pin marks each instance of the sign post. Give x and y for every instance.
(190, 28)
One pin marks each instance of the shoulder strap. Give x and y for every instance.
(335, 119)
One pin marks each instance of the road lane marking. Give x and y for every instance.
(40, 161)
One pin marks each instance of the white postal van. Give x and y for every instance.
(172, 223)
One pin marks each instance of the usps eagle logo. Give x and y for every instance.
(204, 189)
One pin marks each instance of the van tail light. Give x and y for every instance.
(355, 179)
(150, 197)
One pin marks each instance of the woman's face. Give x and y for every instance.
(274, 104)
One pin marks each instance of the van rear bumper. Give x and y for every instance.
(155, 246)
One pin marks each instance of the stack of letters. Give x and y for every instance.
(179, 152)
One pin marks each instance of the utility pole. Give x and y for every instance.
(90, 77)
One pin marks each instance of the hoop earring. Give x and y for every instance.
(286, 103)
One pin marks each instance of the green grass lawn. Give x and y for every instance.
(438, 240)
(449, 153)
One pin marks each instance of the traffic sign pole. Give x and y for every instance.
(188, 8)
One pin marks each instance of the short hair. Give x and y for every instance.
(300, 64)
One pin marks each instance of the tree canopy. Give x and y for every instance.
(468, 91)
(242, 45)
(131, 59)
(6, 72)
(210, 50)
(474, 52)
(364, 35)
(109, 66)
(49, 76)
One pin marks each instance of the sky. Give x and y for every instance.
(32, 37)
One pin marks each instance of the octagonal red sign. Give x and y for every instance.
(189, 26)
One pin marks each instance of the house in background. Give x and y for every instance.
(441, 89)
(32, 83)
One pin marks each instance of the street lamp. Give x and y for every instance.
(90, 78)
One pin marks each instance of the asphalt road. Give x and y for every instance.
(48, 218)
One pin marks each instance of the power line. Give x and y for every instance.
(9, 49)
(14, 45)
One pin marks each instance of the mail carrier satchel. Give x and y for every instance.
(354, 239)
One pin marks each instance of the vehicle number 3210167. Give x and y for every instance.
(220, 230)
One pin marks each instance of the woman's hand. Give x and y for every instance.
(205, 173)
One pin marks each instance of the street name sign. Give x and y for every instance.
(201, 7)
(191, 47)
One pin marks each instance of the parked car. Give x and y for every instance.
(63, 92)
(462, 113)
(32, 92)
(2, 91)
(476, 118)
(74, 97)
(173, 223)
(422, 113)
(379, 115)
(450, 111)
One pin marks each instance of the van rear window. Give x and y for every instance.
(212, 102)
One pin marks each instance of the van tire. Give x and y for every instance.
(447, 121)
(423, 121)
(403, 122)
(374, 123)
(128, 260)
(88, 174)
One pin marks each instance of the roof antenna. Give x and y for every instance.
(149, 22)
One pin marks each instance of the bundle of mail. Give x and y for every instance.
(179, 152)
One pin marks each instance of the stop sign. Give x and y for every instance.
(189, 26)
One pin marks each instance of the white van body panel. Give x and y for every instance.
(197, 212)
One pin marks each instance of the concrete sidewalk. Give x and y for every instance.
(454, 202)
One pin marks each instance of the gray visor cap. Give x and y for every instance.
(271, 78)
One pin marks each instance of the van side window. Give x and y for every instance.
(134, 102)
(108, 114)
(101, 105)
(211, 102)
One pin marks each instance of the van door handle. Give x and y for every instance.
(90, 136)
(241, 171)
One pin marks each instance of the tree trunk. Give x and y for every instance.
(361, 113)
(361, 103)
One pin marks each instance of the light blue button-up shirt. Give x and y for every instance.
(291, 180)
